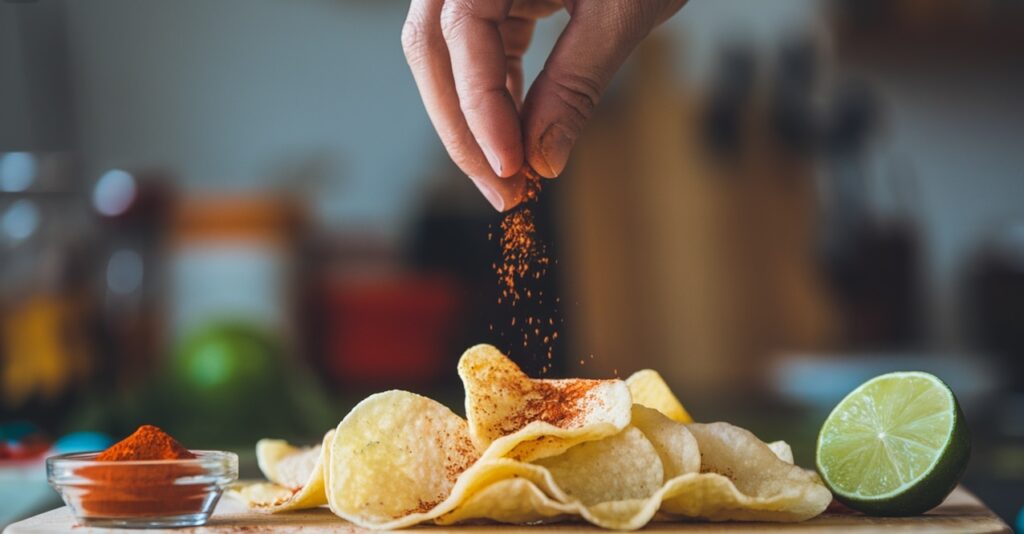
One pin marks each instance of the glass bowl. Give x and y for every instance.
(142, 493)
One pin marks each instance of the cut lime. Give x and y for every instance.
(896, 445)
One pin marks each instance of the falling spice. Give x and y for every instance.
(525, 259)
(122, 489)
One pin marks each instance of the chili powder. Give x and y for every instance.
(143, 489)
(524, 260)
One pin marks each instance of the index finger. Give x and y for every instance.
(480, 69)
(427, 54)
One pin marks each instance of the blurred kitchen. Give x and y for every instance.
(233, 219)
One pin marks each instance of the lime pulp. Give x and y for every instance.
(896, 445)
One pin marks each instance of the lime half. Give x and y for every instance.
(896, 445)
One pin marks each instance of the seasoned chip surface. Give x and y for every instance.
(535, 451)
(512, 415)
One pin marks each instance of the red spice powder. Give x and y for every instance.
(561, 403)
(146, 443)
(524, 258)
(144, 490)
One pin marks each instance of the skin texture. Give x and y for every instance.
(466, 58)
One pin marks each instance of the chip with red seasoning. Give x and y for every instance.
(515, 416)
(535, 450)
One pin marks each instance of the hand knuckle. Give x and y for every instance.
(454, 15)
(415, 39)
(578, 93)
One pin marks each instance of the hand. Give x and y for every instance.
(466, 57)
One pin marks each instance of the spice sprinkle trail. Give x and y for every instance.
(525, 259)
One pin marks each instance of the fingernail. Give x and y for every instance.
(492, 158)
(555, 145)
(490, 194)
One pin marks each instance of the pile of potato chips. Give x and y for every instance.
(615, 453)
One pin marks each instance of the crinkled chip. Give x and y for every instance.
(481, 475)
(629, 514)
(286, 464)
(513, 415)
(618, 482)
(394, 458)
(620, 467)
(782, 450)
(262, 495)
(511, 500)
(296, 475)
(398, 459)
(679, 455)
(675, 445)
(742, 479)
(609, 482)
(650, 390)
(535, 451)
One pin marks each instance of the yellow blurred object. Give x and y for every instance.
(650, 390)
(38, 358)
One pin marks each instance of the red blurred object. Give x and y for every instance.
(392, 330)
(29, 449)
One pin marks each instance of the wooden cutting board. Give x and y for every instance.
(962, 513)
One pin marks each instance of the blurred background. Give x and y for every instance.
(233, 219)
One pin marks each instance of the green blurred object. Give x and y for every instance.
(230, 383)
(224, 364)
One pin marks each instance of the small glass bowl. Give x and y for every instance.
(142, 493)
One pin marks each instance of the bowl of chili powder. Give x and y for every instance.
(147, 480)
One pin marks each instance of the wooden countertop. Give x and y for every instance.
(962, 513)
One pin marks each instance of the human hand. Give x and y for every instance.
(466, 57)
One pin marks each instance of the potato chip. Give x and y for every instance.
(286, 464)
(259, 494)
(472, 482)
(650, 390)
(394, 458)
(782, 450)
(535, 451)
(612, 482)
(512, 500)
(513, 415)
(678, 453)
(742, 479)
(629, 514)
(629, 469)
(296, 475)
(609, 482)
(675, 445)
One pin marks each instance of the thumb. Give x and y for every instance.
(598, 39)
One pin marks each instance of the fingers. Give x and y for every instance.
(466, 57)
(479, 67)
(515, 36)
(428, 58)
(595, 43)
